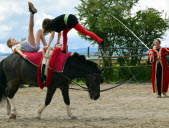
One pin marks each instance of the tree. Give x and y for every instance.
(97, 16)
(22, 39)
(148, 25)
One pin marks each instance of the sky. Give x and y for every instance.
(14, 19)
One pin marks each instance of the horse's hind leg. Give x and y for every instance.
(8, 107)
(65, 94)
(49, 95)
(11, 90)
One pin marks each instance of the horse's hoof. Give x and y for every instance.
(8, 113)
(12, 116)
(74, 118)
(38, 118)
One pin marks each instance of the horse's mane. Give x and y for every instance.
(83, 60)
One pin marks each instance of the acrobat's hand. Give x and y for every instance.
(58, 44)
(25, 56)
(46, 47)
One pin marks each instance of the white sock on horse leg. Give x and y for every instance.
(69, 113)
(8, 107)
(40, 111)
(13, 108)
(46, 67)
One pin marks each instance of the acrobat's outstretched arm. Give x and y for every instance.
(51, 38)
(59, 36)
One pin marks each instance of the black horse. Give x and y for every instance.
(16, 71)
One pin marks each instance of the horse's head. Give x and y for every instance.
(79, 67)
(93, 81)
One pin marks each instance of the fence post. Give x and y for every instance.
(99, 54)
(88, 52)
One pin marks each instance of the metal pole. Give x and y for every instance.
(88, 52)
(131, 32)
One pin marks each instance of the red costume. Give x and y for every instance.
(160, 73)
(65, 23)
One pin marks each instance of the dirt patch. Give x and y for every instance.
(133, 106)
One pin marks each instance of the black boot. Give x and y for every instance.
(64, 52)
(103, 45)
(32, 9)
(43, 76)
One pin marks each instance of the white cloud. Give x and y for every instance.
(165, 44)
(4, 49)
(5, 28)
(162, 5)
(11, 7)
(14, 17)
(39, 17)
(2, 18)
(73, 34)
(165, 41)
(57, 6)
(10, 15)
(159, 5)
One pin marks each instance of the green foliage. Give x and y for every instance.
(97, 16)
(123, 74)
(22, 39)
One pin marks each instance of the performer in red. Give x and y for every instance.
(160, 73)
(65, 23)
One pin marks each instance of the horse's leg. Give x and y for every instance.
(65, 94)
(11, 90)
(8, 107)
(49, 95)
(13, 109)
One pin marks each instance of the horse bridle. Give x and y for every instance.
(90, 88)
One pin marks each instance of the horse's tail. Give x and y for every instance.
(3, 83)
